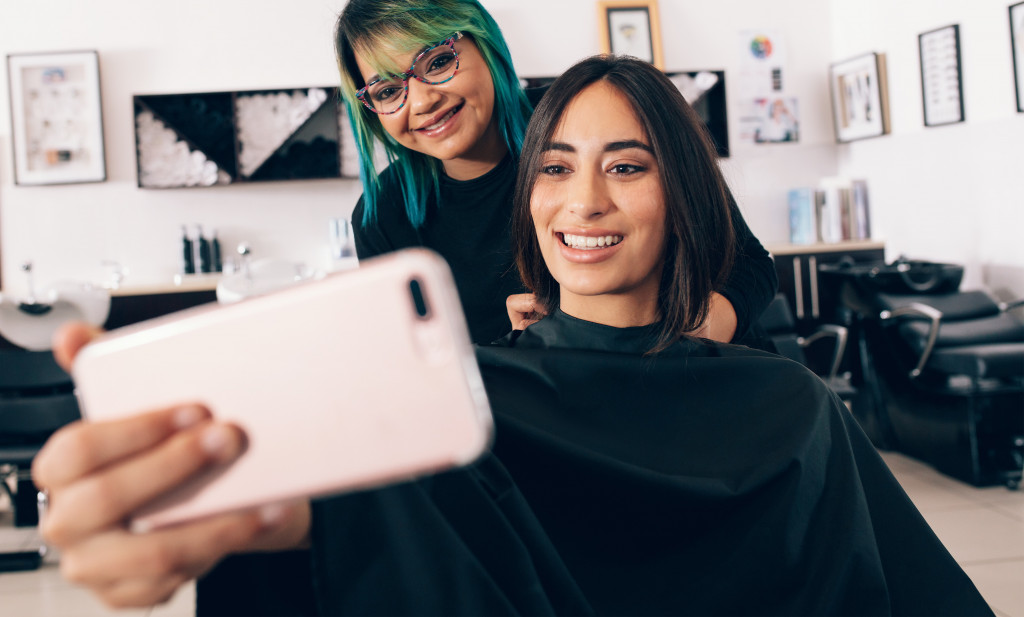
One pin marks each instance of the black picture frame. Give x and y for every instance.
(56, 118)
(206, 139)
(710, 105)
(942, 90)
(1016, 12)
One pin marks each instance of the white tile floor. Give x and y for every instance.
(983, 529)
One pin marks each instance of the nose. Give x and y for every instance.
(588, 196)
(423, 98)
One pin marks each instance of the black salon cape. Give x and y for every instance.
(706, 480)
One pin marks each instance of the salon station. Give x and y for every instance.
(158, 158)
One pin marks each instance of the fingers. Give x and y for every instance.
(106, 498)
(69, 339)
(184, 551)
(127, 569)
(82, 448)
(139, 594)
(523, 303)
(523, 310)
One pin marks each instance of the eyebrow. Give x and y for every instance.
(613, 146)
(377, 77)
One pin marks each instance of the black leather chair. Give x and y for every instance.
(947, 375)
(779, 326)
(36, 398)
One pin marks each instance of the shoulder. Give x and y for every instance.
(390, 205)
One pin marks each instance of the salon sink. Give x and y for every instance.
(260, 277)
(31, 322)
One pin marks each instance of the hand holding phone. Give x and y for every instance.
(97, 473)
(359, 379)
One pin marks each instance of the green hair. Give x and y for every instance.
(380, 29)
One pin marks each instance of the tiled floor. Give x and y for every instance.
(983, 529)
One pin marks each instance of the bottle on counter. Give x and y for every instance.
(205, 261)
(188, 263)
(215, 257)
(343, 248)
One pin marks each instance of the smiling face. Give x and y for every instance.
(598, 208)
(453, 121)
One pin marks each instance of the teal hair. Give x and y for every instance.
(380, 29)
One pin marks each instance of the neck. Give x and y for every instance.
(616, 310)
(484, 156)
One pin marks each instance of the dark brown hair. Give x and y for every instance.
(699, 246)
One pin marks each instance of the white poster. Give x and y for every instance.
(762, 63)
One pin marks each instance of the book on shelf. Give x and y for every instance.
(830, 209)
(861, 210)
(835, 211)
(802, 216)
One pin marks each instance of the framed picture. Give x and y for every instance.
(56, 118)
(1017, 47)
(631, 28)
(705, 92)
(860, 97)
(941, 80)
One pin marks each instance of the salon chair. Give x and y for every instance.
(36, 398)
(946, 373)
(779, 326)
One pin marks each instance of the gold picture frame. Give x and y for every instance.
(860, 97)
(631, 28)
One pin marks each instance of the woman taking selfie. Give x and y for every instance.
(432, 81)
(635, 471)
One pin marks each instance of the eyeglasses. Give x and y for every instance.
(434, 65)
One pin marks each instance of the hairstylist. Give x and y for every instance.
(433, 82)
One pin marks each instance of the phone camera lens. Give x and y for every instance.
(419, 301)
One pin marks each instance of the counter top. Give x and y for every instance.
(821, 247)
(178, 284)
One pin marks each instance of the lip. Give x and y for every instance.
(590, 255)
(445, 128)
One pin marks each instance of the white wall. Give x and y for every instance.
(947, 193)
(196, 45)
(166, 47)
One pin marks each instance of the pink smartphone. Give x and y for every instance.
(356, 380)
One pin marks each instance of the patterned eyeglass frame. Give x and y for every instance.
(410, 74)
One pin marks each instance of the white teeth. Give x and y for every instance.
(589, 242)
(437, 124)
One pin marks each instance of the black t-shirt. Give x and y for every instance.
(471, 231)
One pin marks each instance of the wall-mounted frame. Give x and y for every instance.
(860, 97)
(942, 90)
(56, 118)
(631, 28)
(215, 138)
(1017, 48)
(705, 92)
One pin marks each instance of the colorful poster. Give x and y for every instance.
(762, 63)
(769, 120)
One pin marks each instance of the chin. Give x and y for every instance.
(588, 288)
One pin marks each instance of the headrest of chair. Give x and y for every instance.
(778, 316)
(954, 306)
